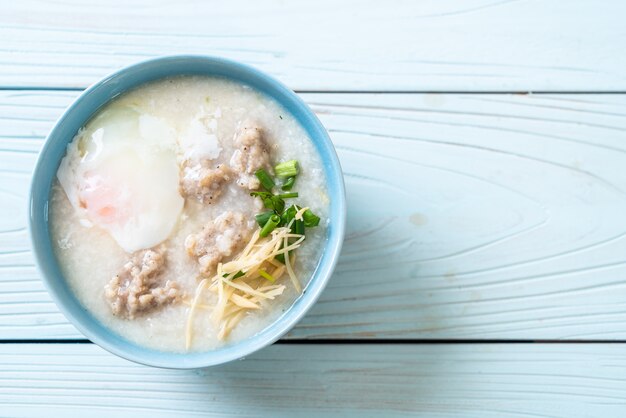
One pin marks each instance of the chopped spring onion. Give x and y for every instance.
(288, 184)
(270, 225)
(287, 169)
(310, 219)
(294, 214)
(278, 204)
(280, 257)
(235, 276)
(298, 227)
(288, 195)
(262, 218)
(265, 179)
(270, 201)
(289, 214)
(266, 275)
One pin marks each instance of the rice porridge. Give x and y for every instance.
(180, 211)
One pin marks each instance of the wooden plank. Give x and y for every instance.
(470, 216)
(485, 380)
(452, 45)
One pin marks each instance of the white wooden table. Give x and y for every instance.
(488, 136)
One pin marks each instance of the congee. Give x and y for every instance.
(180, 211)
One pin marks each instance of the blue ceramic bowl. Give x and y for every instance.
(82, 110)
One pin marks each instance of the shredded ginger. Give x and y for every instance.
(238, 295)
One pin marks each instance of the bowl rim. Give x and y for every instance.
(89, 325)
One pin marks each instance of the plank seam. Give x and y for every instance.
(320, 341)
(469, 92)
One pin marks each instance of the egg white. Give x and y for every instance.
(121, 174)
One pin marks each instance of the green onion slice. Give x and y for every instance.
(267, 276)
(310, 219)
(265, 179)
(263, 217)
(269, 226)
(298, 227)
(287, 169)
(235, 276)
(288, 184)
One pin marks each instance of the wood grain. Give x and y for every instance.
(450, 45)
(486, 380)
(470, 216)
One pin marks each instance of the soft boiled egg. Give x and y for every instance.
(120, 173)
